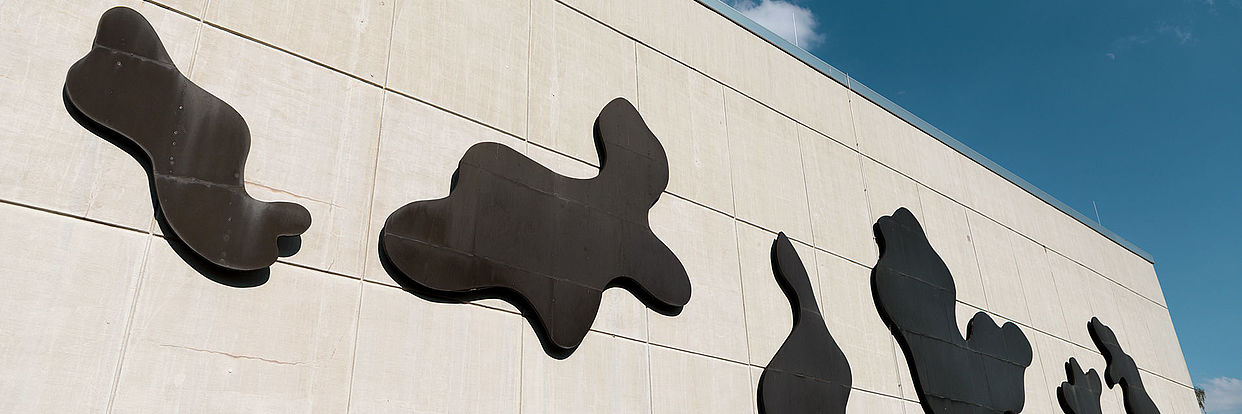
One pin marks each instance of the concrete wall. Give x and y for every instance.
(360, 106)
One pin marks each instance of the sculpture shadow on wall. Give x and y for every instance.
(1121, 369)
(193, 147)
(1081, 393)
(515, 230)
(916, 298)
(809, 374)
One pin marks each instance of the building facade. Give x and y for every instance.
(356, 108)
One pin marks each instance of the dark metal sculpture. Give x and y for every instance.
(914, 292)
(1121, 370)
(1081, 394)
(194, 145)
(809, 374)
(513, 229)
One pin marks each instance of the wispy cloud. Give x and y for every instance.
(785, 19)
(1177, 33)
(1181, 34)
(1224, 395)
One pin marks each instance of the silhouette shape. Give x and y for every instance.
(915, 295)
(194, 144)
(1121, 369)
(513, 229)
(1081, 394)
(809, 374)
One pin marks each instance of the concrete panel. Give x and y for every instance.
(191, 7)
(1086, 250)
(1075, 296)
(620, 313)
(939, 166)
(852, 318)
(474, 63)
(1142, 275)
(994, 248)
(989, 193)
(714, 320)
(605, 375)
(804, 94)
(862, 402)
(1183, 399)
(899, 145)
(755, 374)
(838, 202)
(727, 52)
(768, 185)
(69, 286)
(420, 147)
(887, 191)
(49, 160)
(1104, 305)
(1062, 234)
(1144, 343)
(577, 67)
(349, 35)
(874, 127)
(686, 112)
(660, 24)
(768, 315)
(1043, 299)
(1044, 221)
(199, 346)
(1041, 381)
(314, 136)
(1168, 347)
(945, 223)
(1169, 396)
(418, 356)
(687, 383)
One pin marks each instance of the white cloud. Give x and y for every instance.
(782, 18)
(1182, 35)
(1224, 395)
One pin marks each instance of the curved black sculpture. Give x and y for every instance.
(914, 292)
(1121, 370)
(513, 229)
(194, 144)
(1081, 394)
(809, 374)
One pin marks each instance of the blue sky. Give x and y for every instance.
(1135, 105)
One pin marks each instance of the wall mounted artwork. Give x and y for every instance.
(916, 297)
(514, 229)
(1121, 370)
(194, 145)
(809, 374)
(1081, 393)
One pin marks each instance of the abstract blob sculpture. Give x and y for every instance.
(513, 229)
(195, 145)
(914, 292)
(1121, 369)
(809, 374)
(1081, 394)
